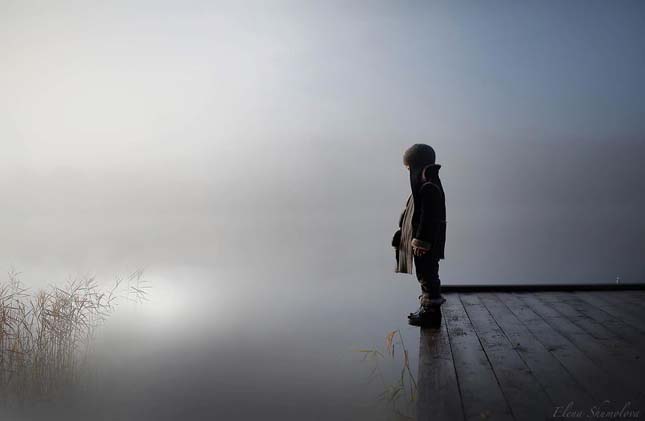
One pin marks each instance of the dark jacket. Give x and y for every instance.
(429, 219)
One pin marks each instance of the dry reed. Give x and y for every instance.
(46, 336)
(400, 394)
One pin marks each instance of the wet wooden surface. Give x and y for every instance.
(535, 356)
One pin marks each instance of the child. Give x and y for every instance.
(421, 237)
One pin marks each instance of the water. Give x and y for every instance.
(262, 289)
(213, 344)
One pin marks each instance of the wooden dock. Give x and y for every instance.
(534, 355)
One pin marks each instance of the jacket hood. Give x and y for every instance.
(421, 175)
(430, 172)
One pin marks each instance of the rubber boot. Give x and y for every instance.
(429, 313)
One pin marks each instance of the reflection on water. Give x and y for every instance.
(390, 368)
(46, 336)
(403, 397)
(204, 346)
(435, 364)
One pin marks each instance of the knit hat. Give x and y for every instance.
(419, 155)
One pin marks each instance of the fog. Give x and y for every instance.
(248, 156)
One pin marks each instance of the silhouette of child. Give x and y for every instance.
(421, 237)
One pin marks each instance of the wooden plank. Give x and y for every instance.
(515, 378)
(613, 309)
(559, 384)
(595, 337)
(609, 359)
(481, 394)
(623, 302)
(559, 301)
(616, 326)
(439, 397)
(521, 287)
(636, 310)
(633, 297)
(587, 374)
(640, 295)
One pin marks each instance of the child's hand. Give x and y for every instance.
(418, 251)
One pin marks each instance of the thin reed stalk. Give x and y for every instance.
(46, 336)
(398, 395)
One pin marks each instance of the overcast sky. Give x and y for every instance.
(195, 132)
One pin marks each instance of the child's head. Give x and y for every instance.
(418, 155)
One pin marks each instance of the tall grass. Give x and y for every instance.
(46, 336)
(398, 395)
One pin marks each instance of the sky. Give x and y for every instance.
(172, 132)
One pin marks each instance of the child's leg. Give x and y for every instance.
(430, 299)
(428, 276)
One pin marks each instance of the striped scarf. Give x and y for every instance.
(404, 265)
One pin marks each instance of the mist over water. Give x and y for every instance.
(248, 157)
